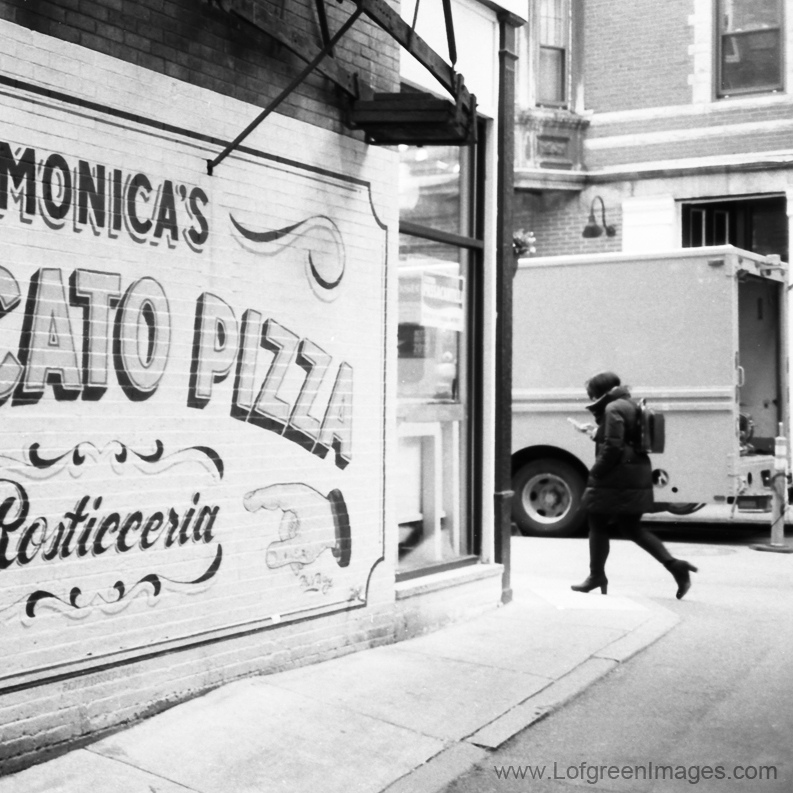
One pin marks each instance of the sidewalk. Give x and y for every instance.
(406, 718)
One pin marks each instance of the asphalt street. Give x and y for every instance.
(709, 707)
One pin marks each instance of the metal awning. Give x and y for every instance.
(415, 117)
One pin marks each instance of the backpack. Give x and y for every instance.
(650, 436)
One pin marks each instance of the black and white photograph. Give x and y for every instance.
(396, 396)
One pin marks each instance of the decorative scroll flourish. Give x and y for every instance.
(154, 581)
(325, 262)
(35, 465)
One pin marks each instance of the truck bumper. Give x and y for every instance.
(753, 476)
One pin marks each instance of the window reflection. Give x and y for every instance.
(751, 45)
(437, 201)
(430, 182)
(431, 321)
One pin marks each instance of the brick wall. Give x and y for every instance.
(117, 623)
(622, 151)
(558, 222)
(196, 42)
(109, 629)
(637, 54)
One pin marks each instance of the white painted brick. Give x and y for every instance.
(268, 197)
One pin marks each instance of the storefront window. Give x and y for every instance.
(437, 276)
(432, 189)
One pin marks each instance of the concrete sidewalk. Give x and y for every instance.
(406, 718)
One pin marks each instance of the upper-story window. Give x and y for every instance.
(750, 46)
(554, 46)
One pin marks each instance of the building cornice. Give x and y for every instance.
(665, 170)
(549, 179)
(541, 179)
(537, 118)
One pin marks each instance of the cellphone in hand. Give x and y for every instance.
(586, 428)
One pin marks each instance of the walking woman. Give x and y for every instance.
(620, 487)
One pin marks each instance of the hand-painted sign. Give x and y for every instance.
(101, 198)
(140, 364)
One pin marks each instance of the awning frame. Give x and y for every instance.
(321, 59)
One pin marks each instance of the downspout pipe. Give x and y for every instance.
(505, 268)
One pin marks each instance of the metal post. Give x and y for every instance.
(505, 267)
(778, 497)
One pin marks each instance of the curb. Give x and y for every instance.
(454, 761)
(556, 694)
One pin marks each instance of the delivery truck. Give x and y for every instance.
(699, 333)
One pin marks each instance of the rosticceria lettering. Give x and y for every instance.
(90, 529)
(107, 200)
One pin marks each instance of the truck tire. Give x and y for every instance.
(547, 500)
(683, 509)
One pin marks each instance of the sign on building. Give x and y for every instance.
(191, 390)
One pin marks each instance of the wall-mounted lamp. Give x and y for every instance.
(593, 228)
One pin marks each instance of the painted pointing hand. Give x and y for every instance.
(310, 524)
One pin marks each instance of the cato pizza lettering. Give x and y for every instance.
(126, 330)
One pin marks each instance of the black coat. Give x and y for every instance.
(621, 480)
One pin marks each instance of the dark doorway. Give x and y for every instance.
(758, 224)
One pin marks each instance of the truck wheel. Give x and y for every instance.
(547, 500)
(683, 509)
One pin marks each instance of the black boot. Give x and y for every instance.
(593, 581)
(680, 570)
(598, 554)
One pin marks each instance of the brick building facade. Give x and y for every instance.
(662, 109)
(200, 460)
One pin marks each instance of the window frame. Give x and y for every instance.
(720, 34)
(564, 49)
(474, 243)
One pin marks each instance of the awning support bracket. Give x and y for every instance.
(323, 22)
(384, 17)
(389, 20)
(259, 17)
(447, 15)
(325, 51)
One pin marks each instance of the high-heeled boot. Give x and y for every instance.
(593, 581)
(680, 570)
(598, 554)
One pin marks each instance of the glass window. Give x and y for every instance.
(431, 188)
(432, 321)
(438, 263)
(750, 46)
(552, 76)
(433, 343)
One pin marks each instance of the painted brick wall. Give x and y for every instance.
(66, 69)
(196, 42)
(184, 75)
(636, 54)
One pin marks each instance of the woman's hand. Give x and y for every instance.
(587, 428)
